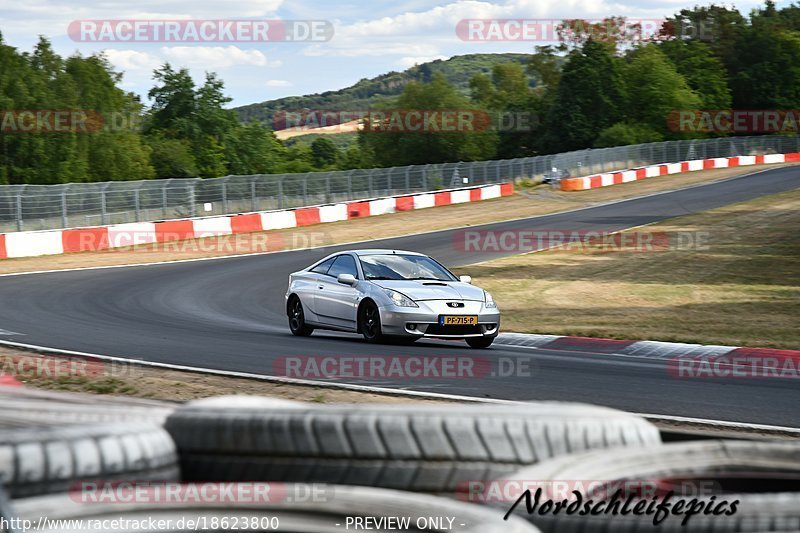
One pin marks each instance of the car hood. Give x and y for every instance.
(433, 290)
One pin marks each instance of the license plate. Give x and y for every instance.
(458, 320)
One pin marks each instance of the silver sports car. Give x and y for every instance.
(390, 293)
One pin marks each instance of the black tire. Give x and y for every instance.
(45, 459)
(409, 447)
(479, 342)
(752, 466)
(369, 322)
(295, 511)
(297, 318)
(33, 406)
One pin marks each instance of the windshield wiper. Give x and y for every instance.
(371, 278)
(427, 279)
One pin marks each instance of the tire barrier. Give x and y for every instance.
(762, 477)
(409, 447)
(40, 459)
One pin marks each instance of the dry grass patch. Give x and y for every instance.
(62, 373)
(742, 287)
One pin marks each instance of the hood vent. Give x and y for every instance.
(436, 283)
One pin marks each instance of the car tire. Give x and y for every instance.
(325, 511)
(369, 322)
(479, 342)
(44, 459)
(410, 447)
(297, 318)
(770, 466)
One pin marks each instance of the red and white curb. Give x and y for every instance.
(53, 242)
(648, 349)
(613, 178)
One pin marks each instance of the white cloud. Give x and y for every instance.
(213, 57)
(131, 60)
(278, 83)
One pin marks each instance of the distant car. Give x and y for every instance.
(390, 293)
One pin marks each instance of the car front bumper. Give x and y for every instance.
(423, 321)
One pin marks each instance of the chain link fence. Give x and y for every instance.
(38, 207)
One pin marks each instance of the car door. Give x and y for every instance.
(335, 302)
(307, 285)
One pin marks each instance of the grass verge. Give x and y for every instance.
(63, 373)
(740, 286)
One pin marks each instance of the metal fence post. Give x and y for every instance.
(224, 197)
(20, 222)
(280, 192)
(253, 201)
(64, 218)
(136, 204)
(103, 213)
(192, 197)
(164, 188)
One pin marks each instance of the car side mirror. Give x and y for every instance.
(465, 279)
(346, 279)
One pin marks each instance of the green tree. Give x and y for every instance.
(172, 158)
(623, 134)
(655, 89)
(324, 153)
(703, 71)
(765, 73)
(589, 98)
(434, 144)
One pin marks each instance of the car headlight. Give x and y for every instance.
(400, 299)
(489, 301)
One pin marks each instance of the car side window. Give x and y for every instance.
(323, 267)
(344, 264)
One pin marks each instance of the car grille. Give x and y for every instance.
(436, 329)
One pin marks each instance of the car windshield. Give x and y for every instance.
(399, 266)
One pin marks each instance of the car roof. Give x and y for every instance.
(381, 251)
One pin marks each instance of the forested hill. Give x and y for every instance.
(457, 71)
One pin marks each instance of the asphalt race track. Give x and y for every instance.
(229, 314)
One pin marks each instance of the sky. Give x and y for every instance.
(369, 37)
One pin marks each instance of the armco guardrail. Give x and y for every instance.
(614, 178)
(35, 243)
(40, 207)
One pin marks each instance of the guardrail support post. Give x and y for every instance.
(20, 222)
(136, 206)
(103, 212)
(64, 218)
